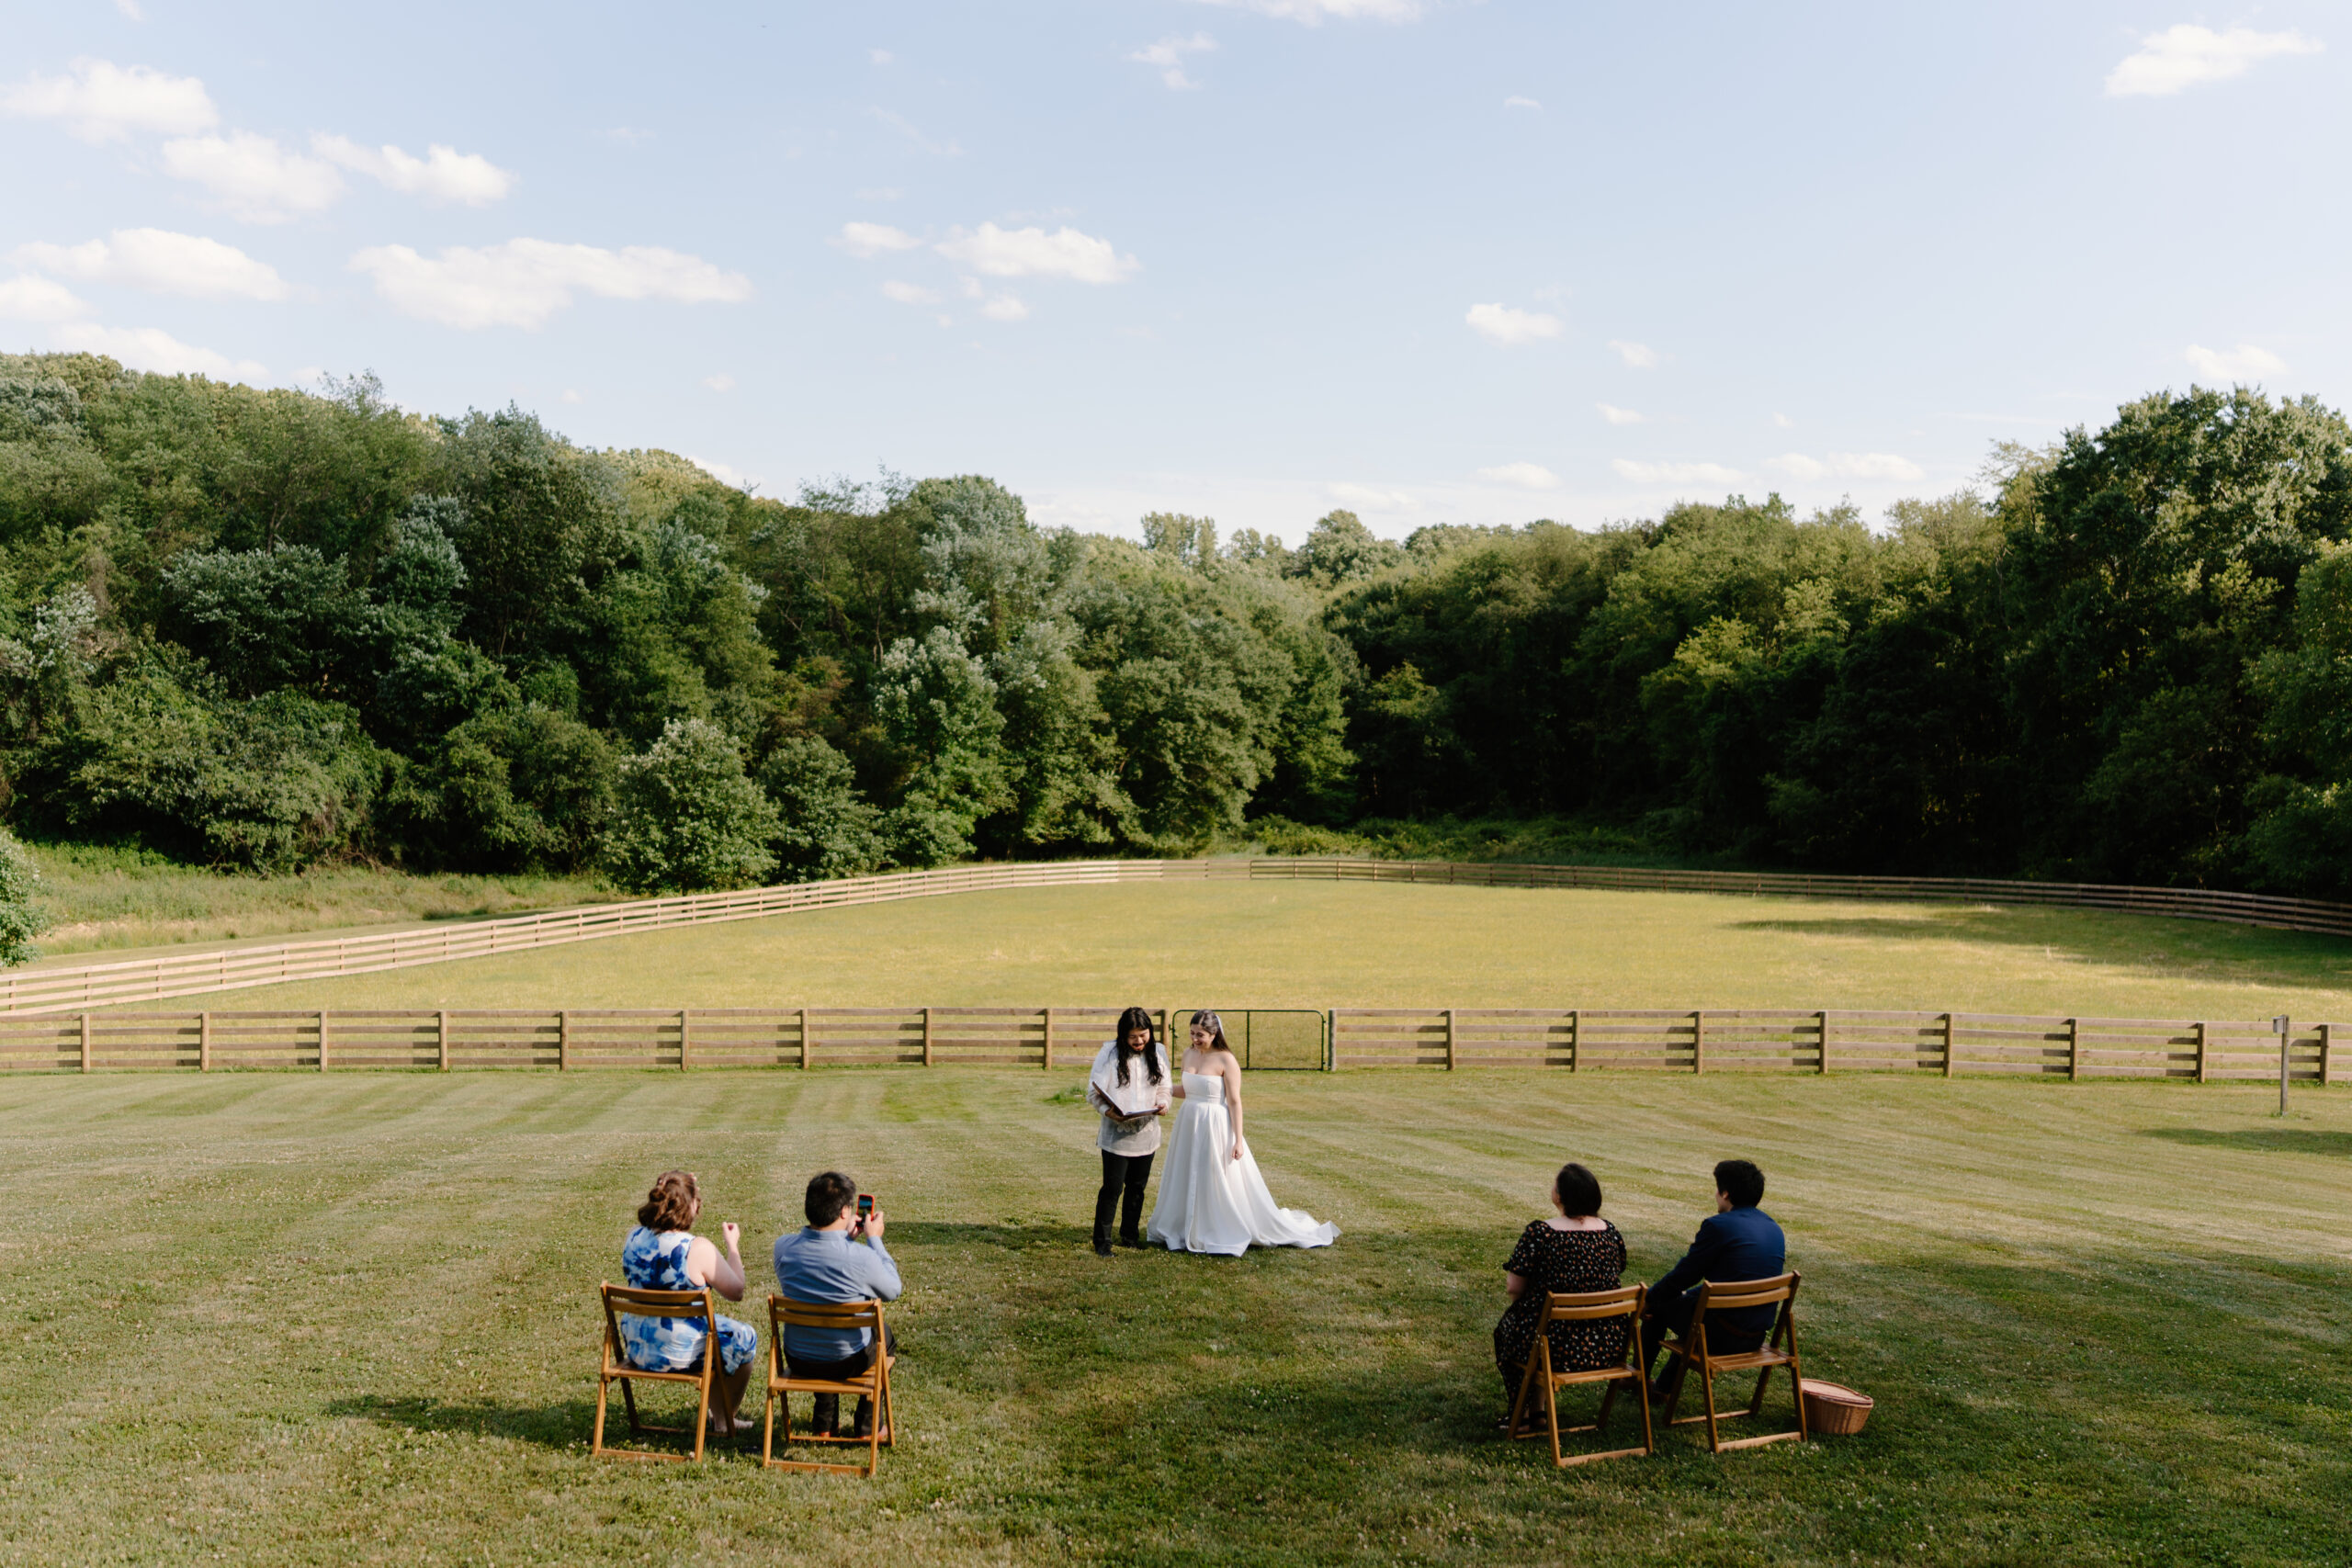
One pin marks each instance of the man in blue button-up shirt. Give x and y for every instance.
(1740, 1241)
(838, 1258)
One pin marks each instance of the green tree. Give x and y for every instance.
(21, 916)
(685, 817)
(825, 827)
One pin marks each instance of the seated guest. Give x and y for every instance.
(1738, 1241)
(825, 1264)
(1573, 1251)
(662, 1253)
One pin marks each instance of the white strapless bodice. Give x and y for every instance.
(1205, 1088)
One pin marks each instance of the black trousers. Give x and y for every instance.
(1675, 1316)
(1124, 1177)
(829, 1406)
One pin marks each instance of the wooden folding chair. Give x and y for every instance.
(874, 1383)
(1589, 1306)
(616, 1367)
(1690, 1354)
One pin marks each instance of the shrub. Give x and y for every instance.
(686, 815)
(826, 830)
(21, 919)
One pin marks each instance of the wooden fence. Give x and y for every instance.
(1570, 1040)
(51, 987)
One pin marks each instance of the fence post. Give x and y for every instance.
(1049, 1040)
(204, 1043)
(2327, 1047)
(1449, 1040)
(2074, 1049)
(1951, 1046)
(86, 1042)
(2279, 1024)
(926, 1037)
(1698, 1042)
(2200, 1050)
(808, 1046)
(1576, 1036)
(685, 1041)
(441, 1037)
(563, 1039)
(1335, 1040)
(1821, 1019)
(322, 1040)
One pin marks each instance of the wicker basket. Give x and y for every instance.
(1834, 1407)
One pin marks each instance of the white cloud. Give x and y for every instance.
(722, 382)
(725, 473)
(1846, 466)
(524, 282)
(101, 101)
(1518, 103)
(873, 239)
(152, 348)
(880, 56)
(1033, 253)
(162, 262)
(2244, 363)
(570, 396)
(1785, 422)
(1526, 476)
(1169, 55)
(444, 173)
(1674, 473)
(2181, 57)
(130, 9)
(1312, 12)
(253, 177)
(1005, 307)
(909, 293)
(30, 299)
(1372, 500)
(1509, 327)
(1640, 355)
(1616, 415)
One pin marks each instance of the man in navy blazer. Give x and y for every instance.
(1738, 1241)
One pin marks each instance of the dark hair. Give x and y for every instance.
(1739, 1180)
(1216, 1027)
(670, 1204)
(828, 1193)
(1129, 1021)
(1579, 1190)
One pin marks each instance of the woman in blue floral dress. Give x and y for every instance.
(662, 1253)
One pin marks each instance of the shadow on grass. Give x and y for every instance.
(2270, 1140)
(563, 1423)
(2107, 937)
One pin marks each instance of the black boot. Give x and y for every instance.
(1101, 1244)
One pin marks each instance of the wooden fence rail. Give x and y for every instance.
(1738, 1040)
(53, 987)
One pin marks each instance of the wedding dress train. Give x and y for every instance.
(1209, 1202)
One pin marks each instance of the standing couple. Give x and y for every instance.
(1212, 1198)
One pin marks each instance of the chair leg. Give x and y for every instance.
(767, 1428)
(629, 1404)
(604, 1387)
(889, 1425)
(1707, 1390)
(1755, 1401)
(702, 1413)
(1526, 1381)
(1649, 1436)
(1674, 1384)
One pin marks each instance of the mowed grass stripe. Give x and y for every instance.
(286, 1319)
(1325, 944)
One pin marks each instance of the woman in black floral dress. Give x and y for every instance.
(1578, 1250)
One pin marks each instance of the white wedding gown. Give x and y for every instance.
(1209, 1202)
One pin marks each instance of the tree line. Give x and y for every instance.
(262, 628)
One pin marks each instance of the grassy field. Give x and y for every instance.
(1324, 943)
(276, 1319)
(105, 898)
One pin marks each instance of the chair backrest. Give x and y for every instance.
(1728, 1295)
(695, 1305)
(1583, 1306)
(786, 1312)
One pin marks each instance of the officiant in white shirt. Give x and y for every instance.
(1129, 1086)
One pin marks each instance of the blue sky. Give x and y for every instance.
(1434, 261)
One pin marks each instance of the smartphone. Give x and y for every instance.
(866, 1205)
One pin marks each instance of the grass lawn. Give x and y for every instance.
(283, 1319)
(105, 898)
(1326, 944)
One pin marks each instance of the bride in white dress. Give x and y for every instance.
(1211, 1197)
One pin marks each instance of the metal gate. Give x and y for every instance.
(1267, 1039)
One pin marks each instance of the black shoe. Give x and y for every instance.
(1133, 1241)
(1102, 1246)
(826, 1417)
